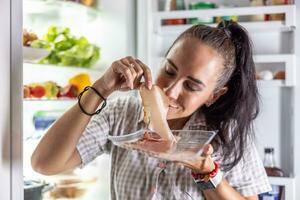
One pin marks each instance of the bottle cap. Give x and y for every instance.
(269, 150)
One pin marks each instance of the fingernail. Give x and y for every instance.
(206, 148)
(149, 85)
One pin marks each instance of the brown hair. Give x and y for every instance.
(233, 113)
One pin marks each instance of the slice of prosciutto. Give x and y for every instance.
(156, 105)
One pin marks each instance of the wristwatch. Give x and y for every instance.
(208, 181)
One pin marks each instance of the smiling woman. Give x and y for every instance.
(213, 70)
(208, 77)
(188, 78)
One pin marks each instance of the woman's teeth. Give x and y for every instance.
(174, 106)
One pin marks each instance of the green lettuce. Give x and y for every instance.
(67, 49)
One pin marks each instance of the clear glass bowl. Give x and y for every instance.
(189, 145)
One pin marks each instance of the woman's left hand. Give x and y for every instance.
(203, 164)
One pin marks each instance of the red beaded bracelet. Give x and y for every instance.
(209, 175)
(215, 171)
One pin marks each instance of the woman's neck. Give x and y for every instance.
(177, 124)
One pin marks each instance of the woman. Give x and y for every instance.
(209, 76)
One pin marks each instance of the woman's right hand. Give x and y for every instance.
(125, 74)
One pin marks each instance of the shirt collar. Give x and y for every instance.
(196, 121)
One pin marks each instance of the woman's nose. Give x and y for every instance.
(173, 90)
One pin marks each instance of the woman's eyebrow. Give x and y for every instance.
(171, 63)
(196, 80)
(191, 78)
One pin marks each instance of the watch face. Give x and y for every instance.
(205, 185)
(212, 183)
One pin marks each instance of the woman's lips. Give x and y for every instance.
(173, 104)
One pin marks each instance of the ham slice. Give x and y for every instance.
(156, 105)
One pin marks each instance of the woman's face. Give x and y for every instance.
(188, 76)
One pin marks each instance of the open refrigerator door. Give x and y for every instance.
(67, 45)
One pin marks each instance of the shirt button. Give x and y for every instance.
(153, 189)
(162, 165)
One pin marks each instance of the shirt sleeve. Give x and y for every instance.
(93, 141)
(249, 177)
(118, 117)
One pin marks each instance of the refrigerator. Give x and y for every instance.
(136, 27)
(109, 25)
(11, 102)
(275, 42)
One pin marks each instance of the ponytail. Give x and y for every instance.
(234, 112)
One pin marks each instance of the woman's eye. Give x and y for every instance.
(191, 87)
(169, 71)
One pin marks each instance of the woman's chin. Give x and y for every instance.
(172, 115)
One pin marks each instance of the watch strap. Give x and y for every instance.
(209, 181)
(212, 183)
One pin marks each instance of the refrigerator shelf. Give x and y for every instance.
(59, 74)
(168, 30)
(288, 182)
(72, 100)
(288, 10)
(287, 60)
(71, 68)
(267, 58)
(271, 83)
(60, 8)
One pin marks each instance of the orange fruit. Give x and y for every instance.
(81, 81)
